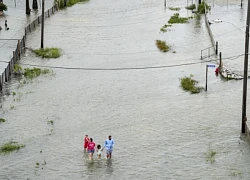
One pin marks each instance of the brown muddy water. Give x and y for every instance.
(160, 131)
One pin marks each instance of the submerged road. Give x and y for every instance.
(160, 131)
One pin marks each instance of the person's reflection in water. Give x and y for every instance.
(109, 169)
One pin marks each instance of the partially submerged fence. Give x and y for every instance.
(20, 49)
(207, 52)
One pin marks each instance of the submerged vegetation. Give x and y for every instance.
(164, 28)
(177, 19)
(17, 69)
(51, 122)
(174, 8)
(189, 84)
(29, 73)
(69, 3)
(2, 120)
(191, 7)
(10, 146)
(48, 52)
(162, 45)
(203, 7)
(211, 156)
(32, 73)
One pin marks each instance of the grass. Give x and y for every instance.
(237, 173)
(13, 93)
(174, 9)
(191, 7)
(12, 107)
(69, 3)
(177, 19)
(2, 120)
(10, 146)
(32, 73)
(190, 85)
(50, 122)
(211, 156)
(18, 69)
(164, 28)
(48, 52)
(202, 7)
(162, 45)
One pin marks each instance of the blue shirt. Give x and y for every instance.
(109, 144)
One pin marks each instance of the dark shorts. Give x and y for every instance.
(91, 151)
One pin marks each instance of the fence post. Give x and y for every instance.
(5, 71)
(19, 48)
(10, 70)
(216, 48)
(206, 77)
(1, 84)
(24, 41)
(220, 61)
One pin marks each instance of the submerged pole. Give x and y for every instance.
(244, 99)
(42, 30)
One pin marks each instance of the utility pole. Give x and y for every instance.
(241, 4)
(42, 30)
(244, 99)
(165, 3)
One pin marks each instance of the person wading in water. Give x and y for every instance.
(109, 144)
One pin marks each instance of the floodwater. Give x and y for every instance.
(17, 20)
(230, 33)
(160, 131)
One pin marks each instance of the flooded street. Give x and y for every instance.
(120, 84)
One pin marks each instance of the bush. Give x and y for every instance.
(69, 3)
(162, 45)
(48, 52)
(189, 84)
(2, 120)
(18, 69)
(191, 7)
(10, 146)
(202, 7)
(174, 9)
(32, 73)
(177, 19)
(3, 7)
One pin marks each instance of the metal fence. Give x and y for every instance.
(20, 49)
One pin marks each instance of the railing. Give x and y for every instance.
(210, 51)
(20, 49)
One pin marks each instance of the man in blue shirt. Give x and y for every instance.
(109, 144)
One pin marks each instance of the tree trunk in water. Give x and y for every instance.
(27, 7)
(34, 5)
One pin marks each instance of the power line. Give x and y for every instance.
(114, 69)
(128, 68)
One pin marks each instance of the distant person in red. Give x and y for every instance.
(86, 141)
(91, 148)
(217, 71)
